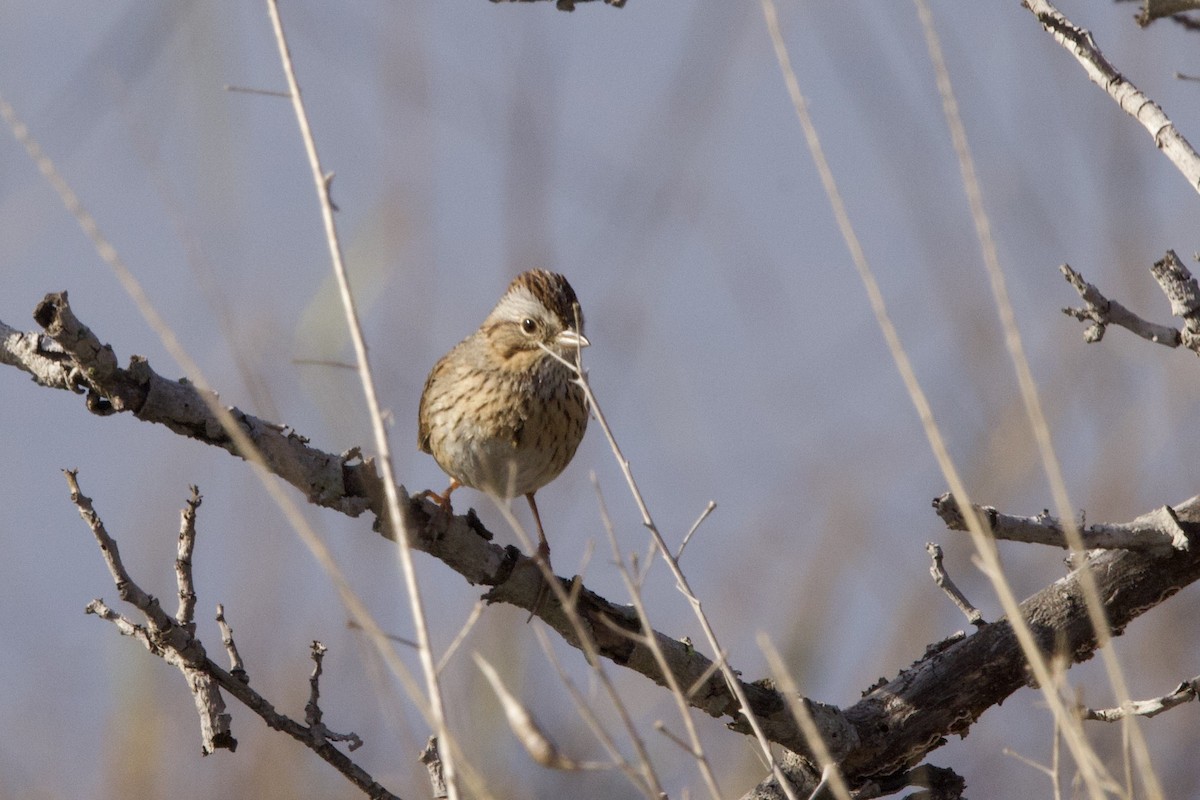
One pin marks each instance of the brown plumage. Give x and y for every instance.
(499, 413)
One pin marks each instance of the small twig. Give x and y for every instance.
(1102, 312)
(472, 618)
(251, 90)
(662, 728)
(185, 616)
(1157, 531)
(312, 709)
(433, 762)
(708, 509)
(236, 668)
(536, 743)
(948, 586)
(324, 362)
(1186, 692)
(391, 637)
(177, 645)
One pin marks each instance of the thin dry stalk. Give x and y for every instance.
(537, 744)
(787, 687)
(589, 717)
(989, 558)
(588, 645)
(436, 709)
(681, 581)
(1030, 397)
(693, 745)
(244, 446)
(472, 618)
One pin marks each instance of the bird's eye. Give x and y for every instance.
(528, 325)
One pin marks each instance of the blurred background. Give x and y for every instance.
(650, 154)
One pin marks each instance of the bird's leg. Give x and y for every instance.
(543, 555)
(543, 548)
(443, 499)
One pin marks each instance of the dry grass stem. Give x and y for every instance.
(591, 653)
(539, 746)
(830, 774)
(681, 582)
(461, 636)
(243, 444)
(633, 774)
(436, 712)
(633, 587)
(1029, 393)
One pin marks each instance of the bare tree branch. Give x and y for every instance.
(1079, 43)
(1176, 283)
(567, 5)
(1157, 531)
(174, 641)
(1186, 692)
(938, 571)
(889, 731)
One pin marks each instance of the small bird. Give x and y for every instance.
(500, 413)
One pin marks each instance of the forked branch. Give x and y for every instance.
(174, 641)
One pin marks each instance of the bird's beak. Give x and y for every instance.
(569, 340)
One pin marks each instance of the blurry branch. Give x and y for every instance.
(174, 641)
(1176, 9)
(1157, 531)
(1079, 43)
(434, 700)
(1176, 283)
(894, 726)
(567, 5)
(521, 722)
(1186, 692)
